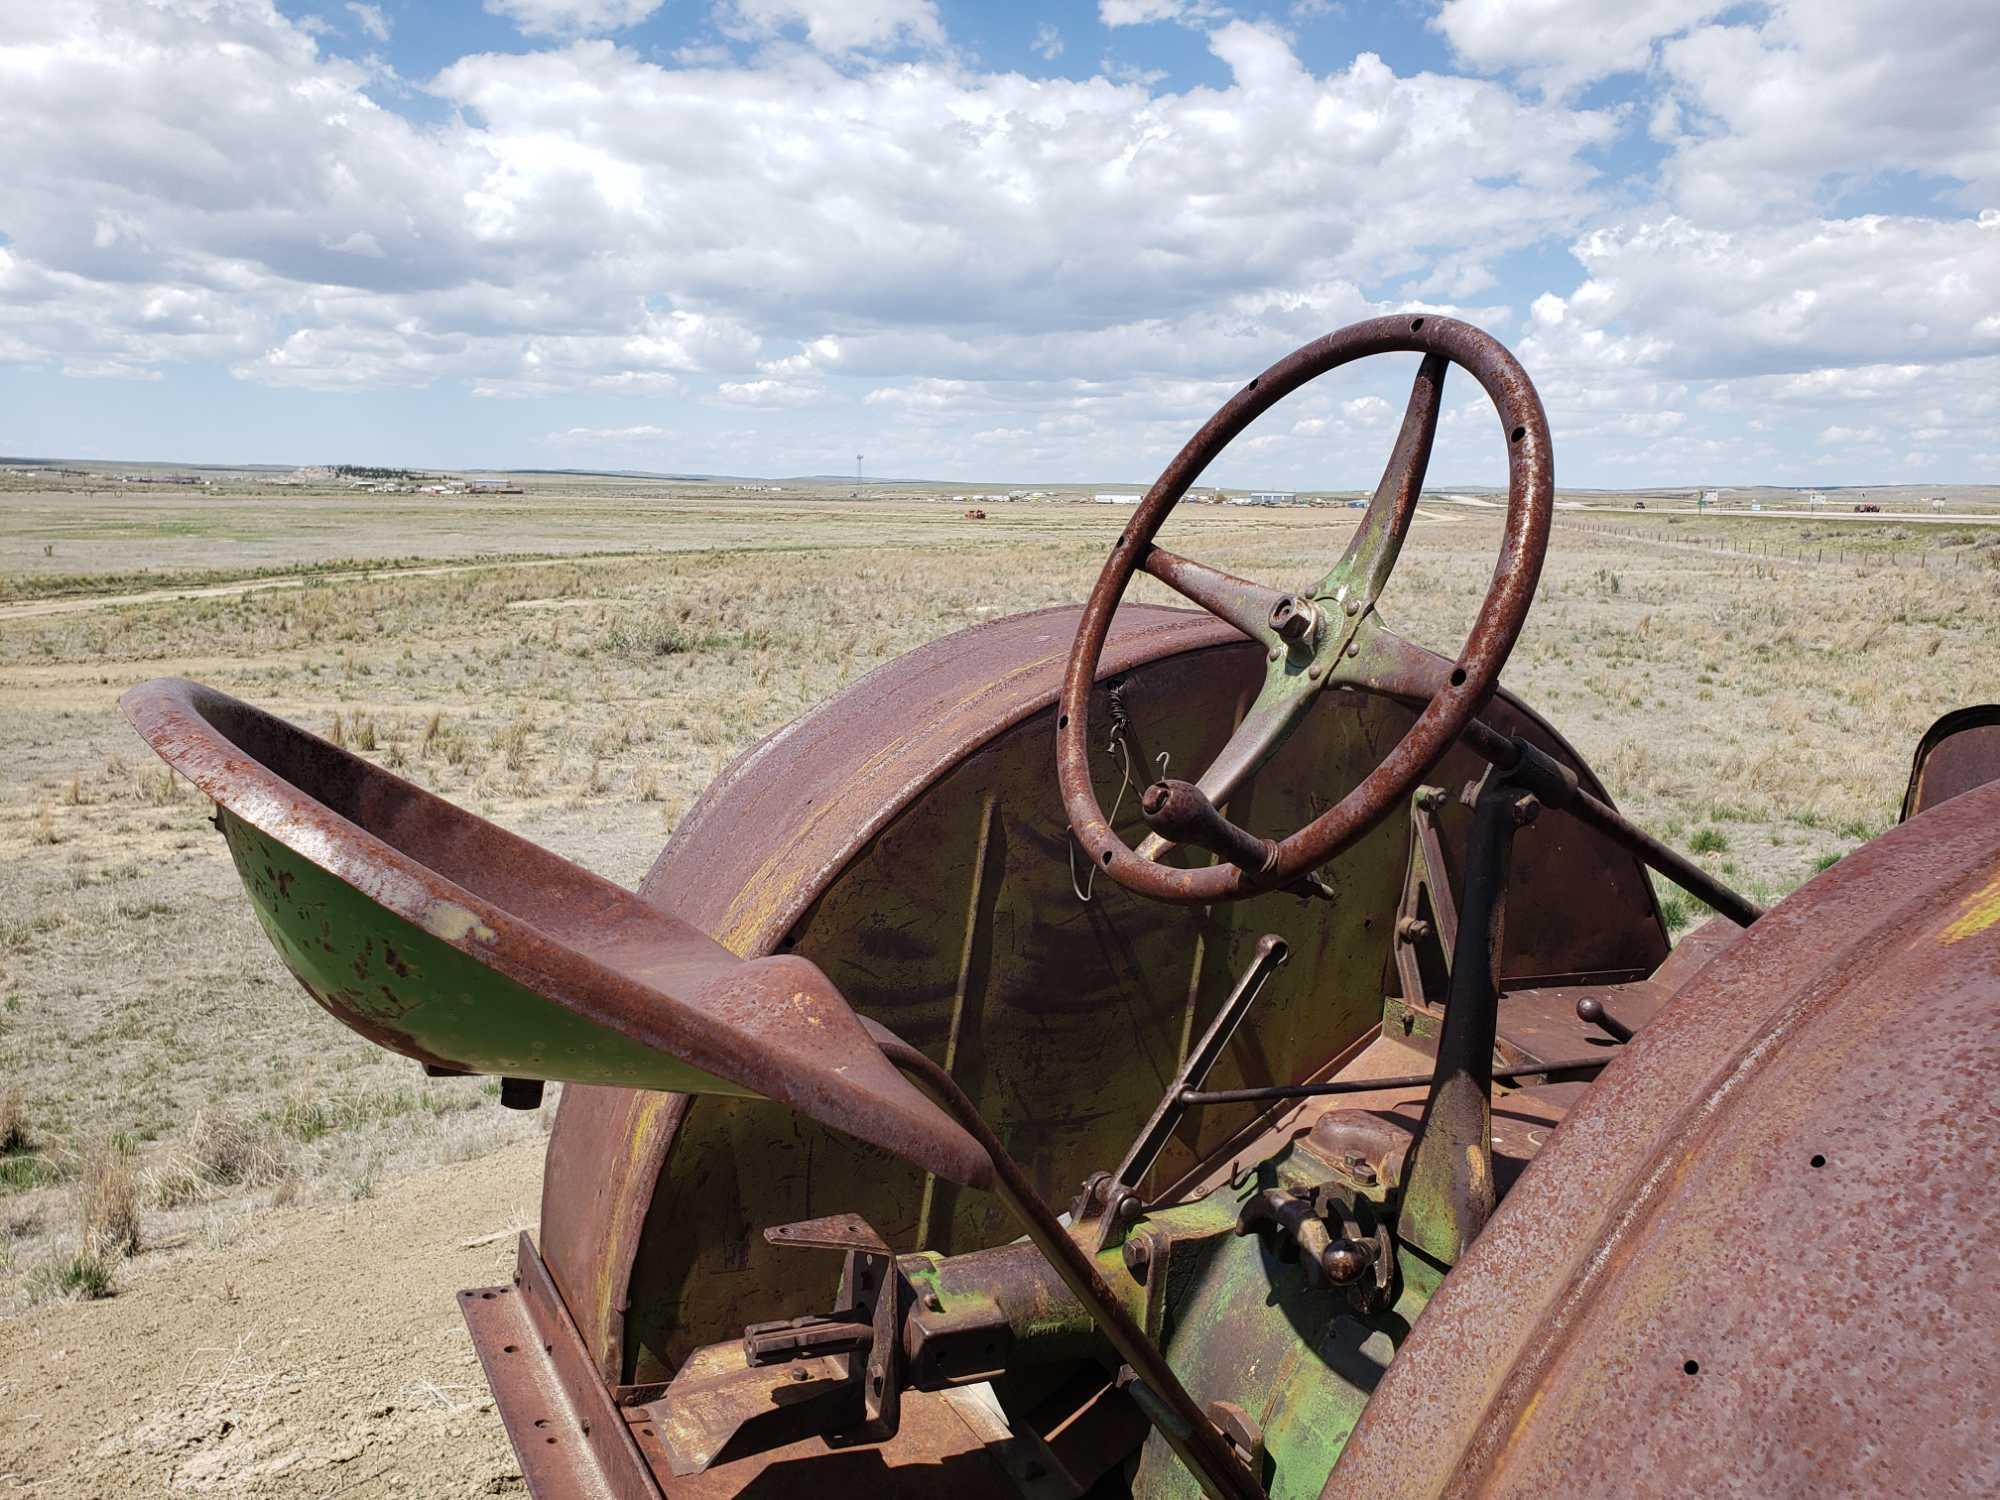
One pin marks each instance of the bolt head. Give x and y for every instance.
(1139, 1258)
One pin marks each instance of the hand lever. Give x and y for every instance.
(1122, 1188)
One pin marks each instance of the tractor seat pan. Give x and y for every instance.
(438, 935)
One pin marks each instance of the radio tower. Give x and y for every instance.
(857, 469)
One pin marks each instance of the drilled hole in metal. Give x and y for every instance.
(1692, 1367)
(1819, 1161)
(1415, 324)
(1107, 856)
(509, 1349)
(1063, 722)
(1458, 677)
(1517, 434)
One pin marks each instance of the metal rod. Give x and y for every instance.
(1271, 952)
(1188, 1432)
(1272, 1093)
(1501, 750)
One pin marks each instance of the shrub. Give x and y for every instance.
(1709, 841)
(14, 1135)
(108, 1204)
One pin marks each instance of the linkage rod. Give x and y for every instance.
(1272, 1093)
(1504, 752)
(1191, 1435)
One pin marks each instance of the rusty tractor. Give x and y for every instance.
(929, 1129)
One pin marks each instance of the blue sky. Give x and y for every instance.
(1732, 243)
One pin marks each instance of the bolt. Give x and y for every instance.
(1525, 809)
(1352, 606)
(797, 1372)
(1313, 672)
(1292, 618)
(1139, 1257)
(1412, 930)
(933, 1302)
(1354, 648)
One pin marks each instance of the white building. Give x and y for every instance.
(1111, 499)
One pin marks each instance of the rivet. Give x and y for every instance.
(1354, 648)
(1352, 606)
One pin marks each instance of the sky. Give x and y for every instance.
(1731, 243)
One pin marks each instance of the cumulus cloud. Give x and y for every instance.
(370, 19)
(1773, 111)
(1564, 44)
(840, 26)
(860, 221)
(561, 18)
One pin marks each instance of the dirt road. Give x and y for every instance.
(320, 1355)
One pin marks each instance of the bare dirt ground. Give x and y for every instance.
(321, 1356)
(281, 1320)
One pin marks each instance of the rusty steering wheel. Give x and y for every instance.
(1328, 636)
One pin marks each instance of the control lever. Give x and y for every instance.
(1590, 1010)
(1115, 1199)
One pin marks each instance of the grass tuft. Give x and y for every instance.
(15, 1136)
(108, 1203)
(81, 1277)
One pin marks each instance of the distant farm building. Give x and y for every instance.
(1265, 497)
(1115, 499)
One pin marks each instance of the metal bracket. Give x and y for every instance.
(865, 1325)
(1427, 914)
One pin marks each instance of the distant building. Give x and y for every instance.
(1115, 499)
(1273, 497)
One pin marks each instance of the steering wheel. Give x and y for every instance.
(1327, 636)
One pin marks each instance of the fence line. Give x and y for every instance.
(1805, 553)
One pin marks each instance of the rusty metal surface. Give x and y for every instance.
(926, 925)
(377, 894)
(572, 1442)
(1957, 753)
(1475, 675)
(609, 1145)
(1762, 1253)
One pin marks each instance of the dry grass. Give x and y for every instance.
(1748, 710)
(15, 1136)
(108, 1203)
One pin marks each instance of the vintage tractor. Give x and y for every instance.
(931, 1130)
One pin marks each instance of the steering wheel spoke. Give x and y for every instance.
(1380, 661)
(1235, 601)
(1288, 691)
(1377, 542)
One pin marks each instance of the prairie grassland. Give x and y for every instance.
(1759, 713)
